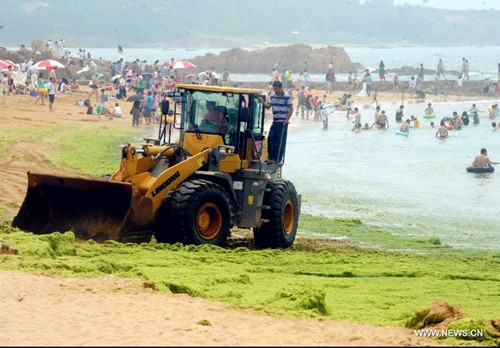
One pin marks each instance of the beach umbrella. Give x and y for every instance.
(5, 63)
(116, 77)
(48, 64)
(181, 64)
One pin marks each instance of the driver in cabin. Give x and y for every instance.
(216, 118)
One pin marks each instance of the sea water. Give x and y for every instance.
(414, 186)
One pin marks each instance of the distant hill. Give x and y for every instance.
(241, 23)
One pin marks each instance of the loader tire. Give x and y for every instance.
(164, 230)
(200, 212)
(281, 212)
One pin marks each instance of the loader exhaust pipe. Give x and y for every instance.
(92, 209)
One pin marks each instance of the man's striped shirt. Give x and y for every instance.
(280, 104)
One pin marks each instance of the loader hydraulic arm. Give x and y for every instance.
(156, 188)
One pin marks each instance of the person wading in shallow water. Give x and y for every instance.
(357, 120)
(399, 114)
(442, 131)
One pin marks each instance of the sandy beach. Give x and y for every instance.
(49, 311)
(43, 310)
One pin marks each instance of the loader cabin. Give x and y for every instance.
(213, 116)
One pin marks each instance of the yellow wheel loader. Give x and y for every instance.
(192, 190)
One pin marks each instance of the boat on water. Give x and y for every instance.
(191, 49)
(168, 48)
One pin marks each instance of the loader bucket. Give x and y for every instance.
(92, 209)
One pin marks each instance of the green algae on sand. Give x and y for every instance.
(334, 281)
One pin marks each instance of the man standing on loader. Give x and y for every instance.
(282, 106)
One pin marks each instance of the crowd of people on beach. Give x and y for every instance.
(149, 86)
(138, 80)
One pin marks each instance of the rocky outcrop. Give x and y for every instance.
(40, 46)
(24, 54)
(291, 57)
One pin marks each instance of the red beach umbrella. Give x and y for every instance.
(48, 64)
(181, 64)
(5, 63)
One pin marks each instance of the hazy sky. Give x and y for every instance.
(454, 4)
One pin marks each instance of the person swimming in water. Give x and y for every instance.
(482, 161)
